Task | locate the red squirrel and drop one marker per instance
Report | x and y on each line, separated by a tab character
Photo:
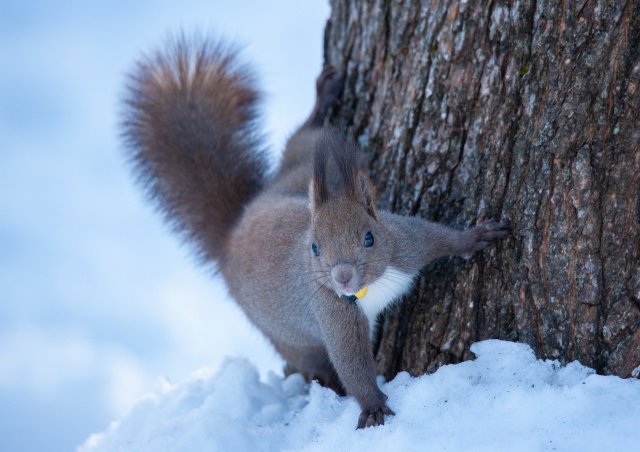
304	251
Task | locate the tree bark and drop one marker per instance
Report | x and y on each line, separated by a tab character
519	110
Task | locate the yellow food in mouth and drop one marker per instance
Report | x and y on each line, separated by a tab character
361	294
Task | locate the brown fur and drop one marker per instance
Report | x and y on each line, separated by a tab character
191	130
191	126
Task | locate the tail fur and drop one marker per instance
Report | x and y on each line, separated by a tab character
191	130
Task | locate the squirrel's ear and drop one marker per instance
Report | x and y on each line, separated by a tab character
318	193
367	195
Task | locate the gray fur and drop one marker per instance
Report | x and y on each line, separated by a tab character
262	237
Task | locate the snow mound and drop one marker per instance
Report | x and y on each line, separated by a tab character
503	400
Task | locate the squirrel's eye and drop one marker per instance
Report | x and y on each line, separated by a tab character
368	239
314	248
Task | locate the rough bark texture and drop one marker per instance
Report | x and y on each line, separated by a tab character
520	110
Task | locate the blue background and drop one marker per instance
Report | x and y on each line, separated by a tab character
97	299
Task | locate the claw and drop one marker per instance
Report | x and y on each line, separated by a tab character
373	418
484	234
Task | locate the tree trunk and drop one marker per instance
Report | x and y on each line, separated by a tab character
520	110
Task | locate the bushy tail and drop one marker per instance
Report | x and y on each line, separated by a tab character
191	129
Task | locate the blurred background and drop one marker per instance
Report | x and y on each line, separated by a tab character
97	299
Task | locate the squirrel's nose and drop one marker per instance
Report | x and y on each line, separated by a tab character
342	274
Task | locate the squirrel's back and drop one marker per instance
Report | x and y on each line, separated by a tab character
191	130
310	260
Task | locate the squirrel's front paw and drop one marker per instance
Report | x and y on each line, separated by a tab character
374	417
482	235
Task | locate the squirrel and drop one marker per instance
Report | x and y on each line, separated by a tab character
304	250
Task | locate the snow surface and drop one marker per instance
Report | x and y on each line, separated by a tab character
503	400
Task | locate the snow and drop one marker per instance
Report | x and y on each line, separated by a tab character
505	399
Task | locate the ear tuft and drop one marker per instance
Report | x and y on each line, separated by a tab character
318	193
346	155
368	195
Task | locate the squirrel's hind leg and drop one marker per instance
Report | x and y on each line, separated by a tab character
328	88
325	376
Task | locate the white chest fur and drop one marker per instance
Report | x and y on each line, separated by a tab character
389	287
